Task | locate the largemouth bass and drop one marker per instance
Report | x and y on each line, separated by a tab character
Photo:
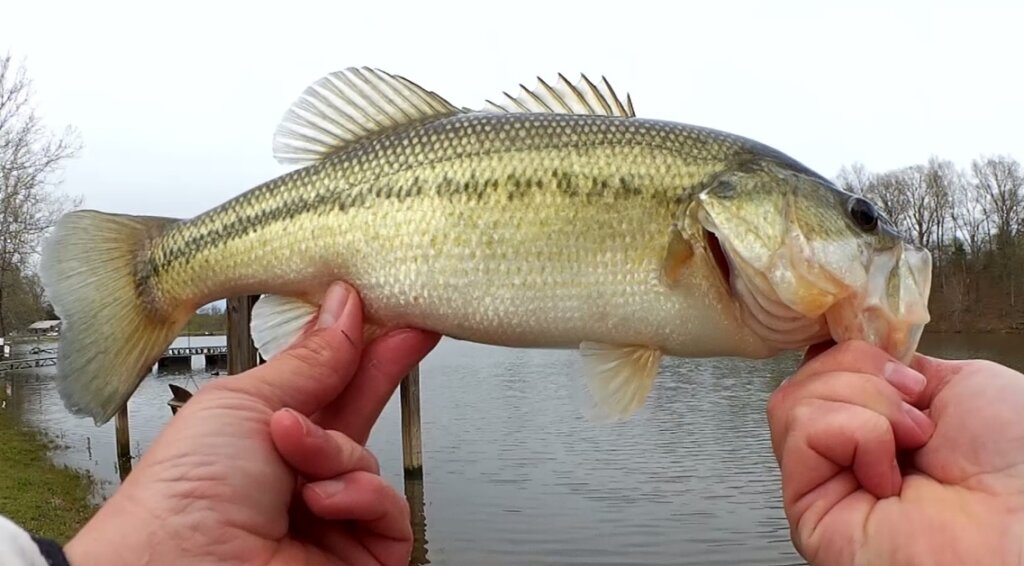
552	219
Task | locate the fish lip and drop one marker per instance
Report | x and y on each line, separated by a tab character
893	321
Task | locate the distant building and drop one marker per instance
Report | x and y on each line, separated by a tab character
44	327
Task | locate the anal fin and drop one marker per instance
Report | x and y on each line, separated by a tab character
619	378
278	321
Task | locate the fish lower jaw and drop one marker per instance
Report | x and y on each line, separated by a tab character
853	320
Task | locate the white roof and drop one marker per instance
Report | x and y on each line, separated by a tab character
42	324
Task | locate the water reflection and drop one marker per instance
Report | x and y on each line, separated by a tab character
514	474
418	515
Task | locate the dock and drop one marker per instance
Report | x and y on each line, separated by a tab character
27	363
216	357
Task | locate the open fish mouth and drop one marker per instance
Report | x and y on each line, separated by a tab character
890	310
718	255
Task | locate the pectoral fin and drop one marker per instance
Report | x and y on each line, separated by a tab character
677	255
619	378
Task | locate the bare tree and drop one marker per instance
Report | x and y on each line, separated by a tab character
855	179
967	213
1000	182
891	192
31	158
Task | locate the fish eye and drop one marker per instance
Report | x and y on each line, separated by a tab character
864	214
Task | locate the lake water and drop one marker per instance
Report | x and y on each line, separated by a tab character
513	474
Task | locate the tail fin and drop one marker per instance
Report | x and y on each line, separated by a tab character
109	339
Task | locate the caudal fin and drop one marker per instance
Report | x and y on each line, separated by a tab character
109	339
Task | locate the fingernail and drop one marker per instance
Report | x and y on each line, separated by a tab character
333	305
327	489
920	420
298	418
906	380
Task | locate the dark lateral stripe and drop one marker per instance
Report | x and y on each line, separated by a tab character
380	169
193	239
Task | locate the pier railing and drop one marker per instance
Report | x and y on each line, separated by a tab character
45	357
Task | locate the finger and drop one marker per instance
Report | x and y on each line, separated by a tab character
384	363
363	497
911	427
834	448
938	373
317	453
338	539
815	350
355	546
861	357
318	367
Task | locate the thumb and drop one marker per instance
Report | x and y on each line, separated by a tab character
317	367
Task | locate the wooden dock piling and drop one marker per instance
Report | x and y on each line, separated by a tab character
242	354
412	444
123	438
418	517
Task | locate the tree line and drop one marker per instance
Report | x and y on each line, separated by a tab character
971	218
210	319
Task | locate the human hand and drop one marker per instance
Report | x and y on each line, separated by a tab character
955	497
269	466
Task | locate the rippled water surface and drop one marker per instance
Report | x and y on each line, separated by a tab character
513	474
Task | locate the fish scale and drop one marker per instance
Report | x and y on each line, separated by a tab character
585	227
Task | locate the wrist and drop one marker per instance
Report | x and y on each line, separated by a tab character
120	533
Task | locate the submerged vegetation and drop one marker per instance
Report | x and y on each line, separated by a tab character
45	499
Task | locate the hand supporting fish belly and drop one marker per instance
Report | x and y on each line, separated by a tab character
552	219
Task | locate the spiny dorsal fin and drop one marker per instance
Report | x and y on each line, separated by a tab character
566	98
349	105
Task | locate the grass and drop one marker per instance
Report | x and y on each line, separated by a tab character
45	499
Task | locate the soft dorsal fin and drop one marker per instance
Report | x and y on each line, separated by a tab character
566	98
349	105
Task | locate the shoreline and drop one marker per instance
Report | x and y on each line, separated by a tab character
44	498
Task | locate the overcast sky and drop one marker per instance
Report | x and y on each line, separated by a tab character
177	101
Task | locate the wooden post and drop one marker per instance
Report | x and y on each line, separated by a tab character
242	353
412	445
418	517
124	453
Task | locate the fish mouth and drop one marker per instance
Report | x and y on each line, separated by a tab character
718	255
761	309
892	311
